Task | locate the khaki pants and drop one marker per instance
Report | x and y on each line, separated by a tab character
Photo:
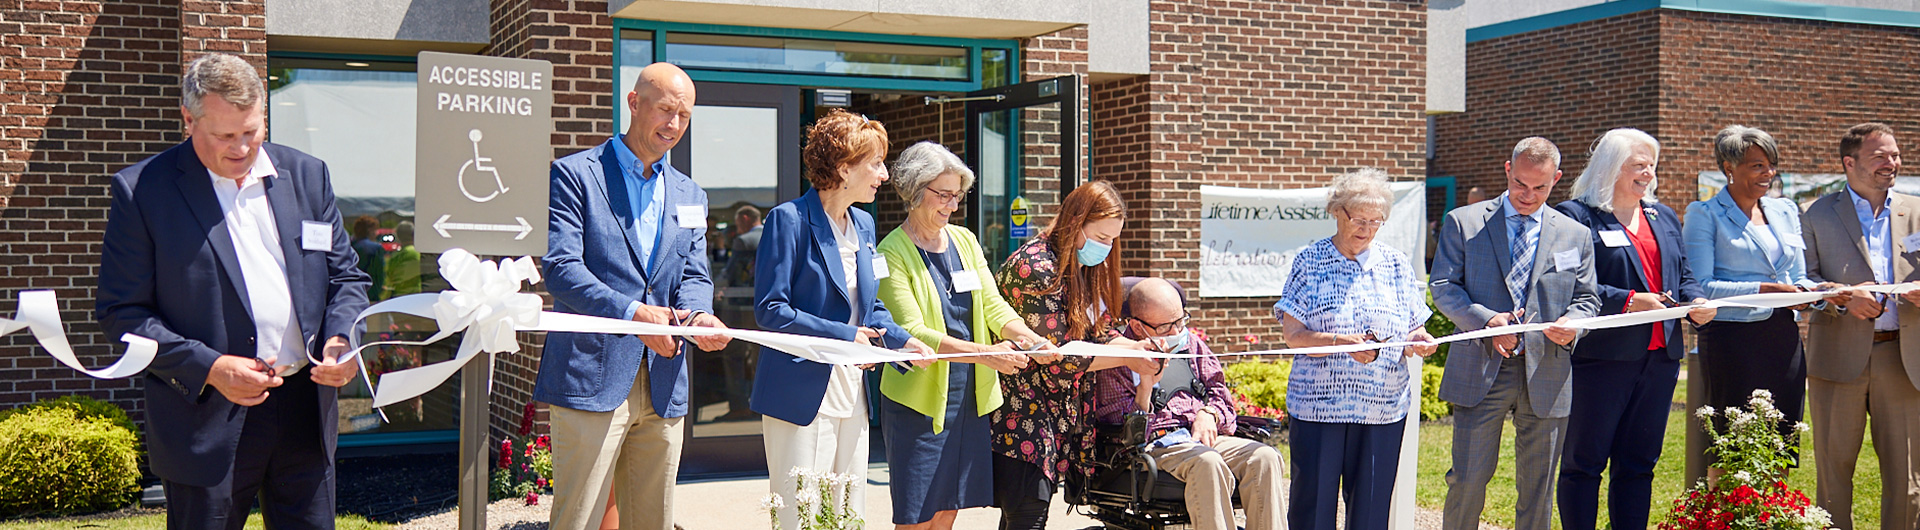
630	446
1211	474
1840	411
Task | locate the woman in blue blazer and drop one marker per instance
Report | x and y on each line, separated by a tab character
1623	378
817	274
1744	242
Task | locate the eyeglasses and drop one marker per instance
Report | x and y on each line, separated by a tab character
1164	328
1363	223
947	196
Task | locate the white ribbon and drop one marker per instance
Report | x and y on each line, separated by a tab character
487	303
40	314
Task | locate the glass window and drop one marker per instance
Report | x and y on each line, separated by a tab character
995	69
636	52
811	56
358	116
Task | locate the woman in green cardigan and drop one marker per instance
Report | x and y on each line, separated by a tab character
935	418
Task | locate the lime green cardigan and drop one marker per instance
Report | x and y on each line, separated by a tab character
911	296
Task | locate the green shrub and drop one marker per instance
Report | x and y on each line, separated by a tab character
83	407
1262	383
1431	406
1438	325
52	460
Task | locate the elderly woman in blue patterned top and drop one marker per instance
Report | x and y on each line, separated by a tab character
1349	411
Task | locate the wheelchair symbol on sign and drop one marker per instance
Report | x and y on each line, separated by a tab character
479	164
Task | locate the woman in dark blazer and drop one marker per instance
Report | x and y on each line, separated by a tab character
817	274
1623	378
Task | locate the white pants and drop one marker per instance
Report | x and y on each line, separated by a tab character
837	445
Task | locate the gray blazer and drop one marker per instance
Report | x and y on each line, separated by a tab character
1469	286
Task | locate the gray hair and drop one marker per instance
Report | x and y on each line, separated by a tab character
1733	142
920	165
1364	187
1595	185
229	77
1536	150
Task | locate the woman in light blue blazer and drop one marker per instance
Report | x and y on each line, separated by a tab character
817	274
1743	242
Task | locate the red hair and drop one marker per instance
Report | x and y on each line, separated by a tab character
1084	288
837	140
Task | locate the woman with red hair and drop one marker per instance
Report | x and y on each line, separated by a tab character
817	274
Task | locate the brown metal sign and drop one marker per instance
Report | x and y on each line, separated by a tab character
484	143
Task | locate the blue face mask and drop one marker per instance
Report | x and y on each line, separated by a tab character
1094	252
1174	344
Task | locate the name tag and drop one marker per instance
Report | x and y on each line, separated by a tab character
693	216
1614	238
316	236
880	271
1794	240
1567	260
965	281
1910	243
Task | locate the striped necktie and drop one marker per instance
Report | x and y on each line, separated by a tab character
1522	248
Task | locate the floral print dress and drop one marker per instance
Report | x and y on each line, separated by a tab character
1046	420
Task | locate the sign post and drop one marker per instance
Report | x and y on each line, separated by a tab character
484	141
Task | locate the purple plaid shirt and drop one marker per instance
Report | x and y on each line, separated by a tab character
1114	395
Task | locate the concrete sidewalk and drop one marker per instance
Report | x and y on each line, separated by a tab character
735	504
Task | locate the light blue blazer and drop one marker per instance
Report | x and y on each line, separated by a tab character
593	268
1727	261
799	287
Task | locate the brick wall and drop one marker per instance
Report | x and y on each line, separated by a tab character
1569	84
577	37
909	120
87	88
1680	76
1804	82
1267	95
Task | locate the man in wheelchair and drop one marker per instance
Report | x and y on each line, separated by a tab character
1180	420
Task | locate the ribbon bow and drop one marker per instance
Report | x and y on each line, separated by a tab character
486	300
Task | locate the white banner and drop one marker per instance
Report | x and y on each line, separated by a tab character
1248	237
1803	188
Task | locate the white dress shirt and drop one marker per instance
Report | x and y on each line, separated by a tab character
846	389
1877	229
263	264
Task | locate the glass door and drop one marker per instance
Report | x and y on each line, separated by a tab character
743	148
1028	157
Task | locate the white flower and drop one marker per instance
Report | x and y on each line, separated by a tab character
1801	427
772	502
1762	393
798	471
1743	477
1704	412
806	497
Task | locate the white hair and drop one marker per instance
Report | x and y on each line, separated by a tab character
1595	185
1364	187
923	163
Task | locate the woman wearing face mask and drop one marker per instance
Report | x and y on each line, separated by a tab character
1063	284
817	274
1350	410
941	291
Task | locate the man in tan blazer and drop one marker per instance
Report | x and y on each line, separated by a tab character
1858	364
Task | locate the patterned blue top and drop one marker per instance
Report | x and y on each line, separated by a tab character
1332	294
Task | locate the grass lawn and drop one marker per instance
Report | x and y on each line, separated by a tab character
159	520
1435	458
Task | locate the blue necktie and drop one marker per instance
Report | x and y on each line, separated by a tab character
1522	248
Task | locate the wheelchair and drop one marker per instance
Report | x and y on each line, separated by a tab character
1127	489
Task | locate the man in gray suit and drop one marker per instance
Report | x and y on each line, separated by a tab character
1507	261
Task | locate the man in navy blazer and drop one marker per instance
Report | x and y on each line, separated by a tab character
626	239
229	252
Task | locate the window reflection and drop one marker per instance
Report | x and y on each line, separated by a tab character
359	119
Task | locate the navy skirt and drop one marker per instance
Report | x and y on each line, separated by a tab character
931	472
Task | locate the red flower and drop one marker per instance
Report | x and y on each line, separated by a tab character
540	482
506	454
533	499
1250	338
526	420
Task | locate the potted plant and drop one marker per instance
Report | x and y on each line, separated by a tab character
1751	492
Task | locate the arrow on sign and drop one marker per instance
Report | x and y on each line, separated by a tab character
442	226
